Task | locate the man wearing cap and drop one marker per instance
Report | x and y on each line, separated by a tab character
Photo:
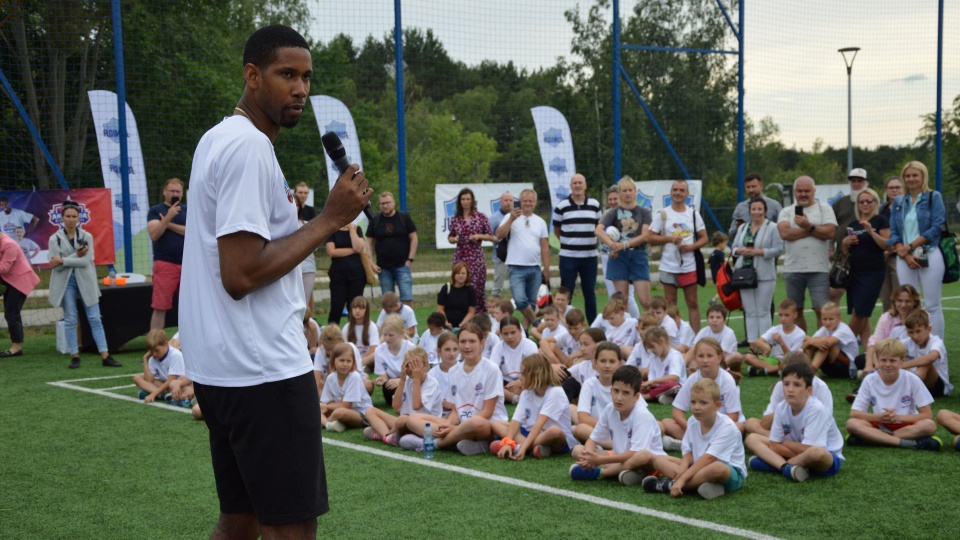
845	210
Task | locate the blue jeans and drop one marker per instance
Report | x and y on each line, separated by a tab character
69	305
524	283
586	267
401	277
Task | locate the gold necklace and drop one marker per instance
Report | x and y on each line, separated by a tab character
243	112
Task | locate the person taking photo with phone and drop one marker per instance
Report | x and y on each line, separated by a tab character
166	223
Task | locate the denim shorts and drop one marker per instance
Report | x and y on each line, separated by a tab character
630	265
399	276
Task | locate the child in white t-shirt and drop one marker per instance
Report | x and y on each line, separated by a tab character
583	369
820	391
490	340
420	395
665	370
713	456
639	357
595	391
659	305
330	336
390	305
901	413
766	352
436	322
344	401
162	365
388	359
449	356
717	329
361	331
508	354
562	349
685	334
833	347
926	354
620	329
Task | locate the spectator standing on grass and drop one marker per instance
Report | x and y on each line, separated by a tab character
628	262
865	249
18	280
845	210
527	251
613	201
347	277
469	228
392	235
753	187
575	222
308	268
807	228
500	269
166	224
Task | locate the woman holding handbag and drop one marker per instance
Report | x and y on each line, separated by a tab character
758	244
347	275
864	247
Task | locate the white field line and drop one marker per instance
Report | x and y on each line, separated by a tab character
106	393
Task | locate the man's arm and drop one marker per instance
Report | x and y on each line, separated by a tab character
34	221
545	256
413	247
156	227
248	261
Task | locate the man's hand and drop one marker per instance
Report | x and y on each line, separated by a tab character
348	197
173	212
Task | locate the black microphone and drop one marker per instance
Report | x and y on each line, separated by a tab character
334	148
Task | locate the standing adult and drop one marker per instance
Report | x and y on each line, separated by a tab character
753	187
845	210
915	226
73	274
808	228
308	268
500	269
864	243
166	224
892	189
18	279
528	253
757	243
347	276
242	305
469	229
613	201
393	237
575	222
11	218
628	255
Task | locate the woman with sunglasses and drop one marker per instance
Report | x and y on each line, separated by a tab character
865	245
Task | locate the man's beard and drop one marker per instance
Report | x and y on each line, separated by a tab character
856	193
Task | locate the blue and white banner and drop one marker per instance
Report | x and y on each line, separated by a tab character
488	201
556	151
333	115
655	194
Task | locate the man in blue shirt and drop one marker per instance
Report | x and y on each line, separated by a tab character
166	223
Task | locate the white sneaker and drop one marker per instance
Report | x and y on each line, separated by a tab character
710	490
372	434
411	442
665	399
472	448
670	444
336	425
630	478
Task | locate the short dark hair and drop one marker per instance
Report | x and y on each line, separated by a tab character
752	176
628	375
261	47
802	370
437	319
760	200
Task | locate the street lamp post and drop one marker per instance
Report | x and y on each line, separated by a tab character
849	65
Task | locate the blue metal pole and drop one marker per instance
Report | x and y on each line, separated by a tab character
401	129
656	125
740	135
124	155
617	163
33	130
939	143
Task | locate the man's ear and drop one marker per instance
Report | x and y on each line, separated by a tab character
252	76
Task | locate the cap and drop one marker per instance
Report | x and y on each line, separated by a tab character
857	173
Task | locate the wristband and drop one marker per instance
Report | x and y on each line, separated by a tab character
508	442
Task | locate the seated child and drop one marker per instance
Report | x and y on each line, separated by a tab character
490	340
665	370
330	336
420	395
493	312
926	354
390	305
620	329
344	401
561	348
508	354
582	370
951	422
388	360
595	392
903	301
541	422
550	327
685	334
599	321
820	391
502	310
449	355
766	352
436	323
658	305
181	388
833	347
901	405
639	357
709	354
561	299
162	365
628	429
713	456
362	332
717	329
804	438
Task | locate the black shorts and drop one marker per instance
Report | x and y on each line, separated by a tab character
266	449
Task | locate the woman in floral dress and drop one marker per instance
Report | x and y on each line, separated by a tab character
469	228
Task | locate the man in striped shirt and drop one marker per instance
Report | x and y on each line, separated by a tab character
574	222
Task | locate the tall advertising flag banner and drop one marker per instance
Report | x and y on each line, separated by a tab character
103	106
556	150
333	115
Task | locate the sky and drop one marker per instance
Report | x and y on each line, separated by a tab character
793	72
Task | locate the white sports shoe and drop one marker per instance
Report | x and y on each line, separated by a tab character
472	448
670	444
710	490
411	442
336	425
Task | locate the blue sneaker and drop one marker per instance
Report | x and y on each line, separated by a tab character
185	404
760	465
142	394
929	443
956	443
795	472
579	473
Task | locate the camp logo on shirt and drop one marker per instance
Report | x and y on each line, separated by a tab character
478	387
526	412
453	389
906	399
593	401
286	187
786	429
630	433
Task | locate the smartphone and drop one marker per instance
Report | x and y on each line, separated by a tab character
516	203
749	244
174	201
799	210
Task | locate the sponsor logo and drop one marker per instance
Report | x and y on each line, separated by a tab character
453	389
644	200
111	130
787	429
553	137
558	166
906	399
134	205
667	201
630	433
526	412
835	198
115	166
55	214
449	210
478	387
337	127
562	192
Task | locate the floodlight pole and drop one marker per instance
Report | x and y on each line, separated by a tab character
843	52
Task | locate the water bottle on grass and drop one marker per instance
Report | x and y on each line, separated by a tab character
428	445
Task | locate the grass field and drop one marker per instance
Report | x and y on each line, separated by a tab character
76	464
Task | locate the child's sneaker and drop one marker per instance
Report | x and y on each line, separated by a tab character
853	440
760	465
166	396
653	484
142	394
757	372
185	403
666	398
472	448
337	426
541	451
670	444
630	478
411	442
710	490
795	472
852	396
929	443
372	434
391	439
578	472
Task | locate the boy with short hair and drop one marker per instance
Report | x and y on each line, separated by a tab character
501	310
550	325
600	321
926	354
766	352
719	243
436	323
713	456
639	357
685	334
390	304
162	365
490	340
804	438
658	305
620	329
717	329
561	299
833	347
901	405
559	348
493	300
630	430
820	391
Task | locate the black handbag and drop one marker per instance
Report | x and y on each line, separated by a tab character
698	256
840	272
744	278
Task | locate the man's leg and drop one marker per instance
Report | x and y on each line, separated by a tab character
819	286
499	274
588	282
387	280
404	278
158	319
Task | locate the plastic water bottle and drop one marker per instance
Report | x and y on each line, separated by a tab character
428	445
113	278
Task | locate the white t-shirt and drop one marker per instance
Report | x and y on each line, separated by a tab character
678	224
843	333
905	396
726	337
940	364
685	334
582	372
553	404
429	344
16	218
808	254
639	357
555	334
601	323
352	391
468	391
594	397
430	397
494	324
672	329
724	442
794	340
170	364
625	334
489	344
320	360
406	313
568	344
509	358
639	431
814	426
524	246
729	394
443	380
236	185
820	391
673	364
373	336
385	362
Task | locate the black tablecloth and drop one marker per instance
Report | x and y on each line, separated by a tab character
126	313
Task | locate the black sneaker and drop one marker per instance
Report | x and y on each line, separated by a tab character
743	344
110	362
853	440
652	484
929	443
757	372
74	363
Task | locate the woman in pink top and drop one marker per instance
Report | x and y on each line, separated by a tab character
19	279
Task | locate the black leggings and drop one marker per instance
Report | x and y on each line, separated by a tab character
343	289
12	304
